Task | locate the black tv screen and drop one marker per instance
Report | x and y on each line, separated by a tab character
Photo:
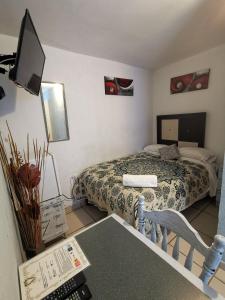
30	58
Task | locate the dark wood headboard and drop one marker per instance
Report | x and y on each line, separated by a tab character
181	128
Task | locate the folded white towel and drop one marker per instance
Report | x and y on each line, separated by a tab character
140	180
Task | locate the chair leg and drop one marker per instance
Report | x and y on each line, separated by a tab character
141	219
213	259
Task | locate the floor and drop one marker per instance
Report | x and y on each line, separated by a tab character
202	215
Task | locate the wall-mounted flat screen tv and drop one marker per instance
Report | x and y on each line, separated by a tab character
30	58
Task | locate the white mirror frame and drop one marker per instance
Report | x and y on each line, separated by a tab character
50	137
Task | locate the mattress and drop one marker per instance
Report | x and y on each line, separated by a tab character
180	184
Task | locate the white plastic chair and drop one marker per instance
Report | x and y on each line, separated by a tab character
171	220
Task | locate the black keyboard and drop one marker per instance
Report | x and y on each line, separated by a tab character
82	293
67	288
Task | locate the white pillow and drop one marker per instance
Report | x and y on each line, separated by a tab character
197	153
154	149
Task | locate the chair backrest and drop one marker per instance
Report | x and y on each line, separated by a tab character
171	220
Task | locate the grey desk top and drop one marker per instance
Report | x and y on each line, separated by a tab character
122	267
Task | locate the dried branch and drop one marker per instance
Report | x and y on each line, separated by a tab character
23	177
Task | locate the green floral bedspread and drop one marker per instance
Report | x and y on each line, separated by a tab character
180	183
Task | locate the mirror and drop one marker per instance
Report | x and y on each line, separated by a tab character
54	109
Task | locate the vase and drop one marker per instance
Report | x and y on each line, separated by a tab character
30	253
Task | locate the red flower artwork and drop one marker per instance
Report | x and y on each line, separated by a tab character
190	82
118	86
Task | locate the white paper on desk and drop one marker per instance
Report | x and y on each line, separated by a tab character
46	272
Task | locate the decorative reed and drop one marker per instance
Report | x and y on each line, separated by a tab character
23	178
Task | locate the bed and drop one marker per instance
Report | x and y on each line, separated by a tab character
180	182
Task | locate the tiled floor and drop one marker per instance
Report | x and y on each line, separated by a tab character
202	216
83	217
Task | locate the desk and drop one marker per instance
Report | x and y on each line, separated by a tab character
126	265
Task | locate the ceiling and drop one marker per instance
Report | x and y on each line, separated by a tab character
144	33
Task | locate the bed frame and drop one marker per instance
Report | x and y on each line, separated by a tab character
182	129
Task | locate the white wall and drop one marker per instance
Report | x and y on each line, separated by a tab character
10	255
101	127
211	100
